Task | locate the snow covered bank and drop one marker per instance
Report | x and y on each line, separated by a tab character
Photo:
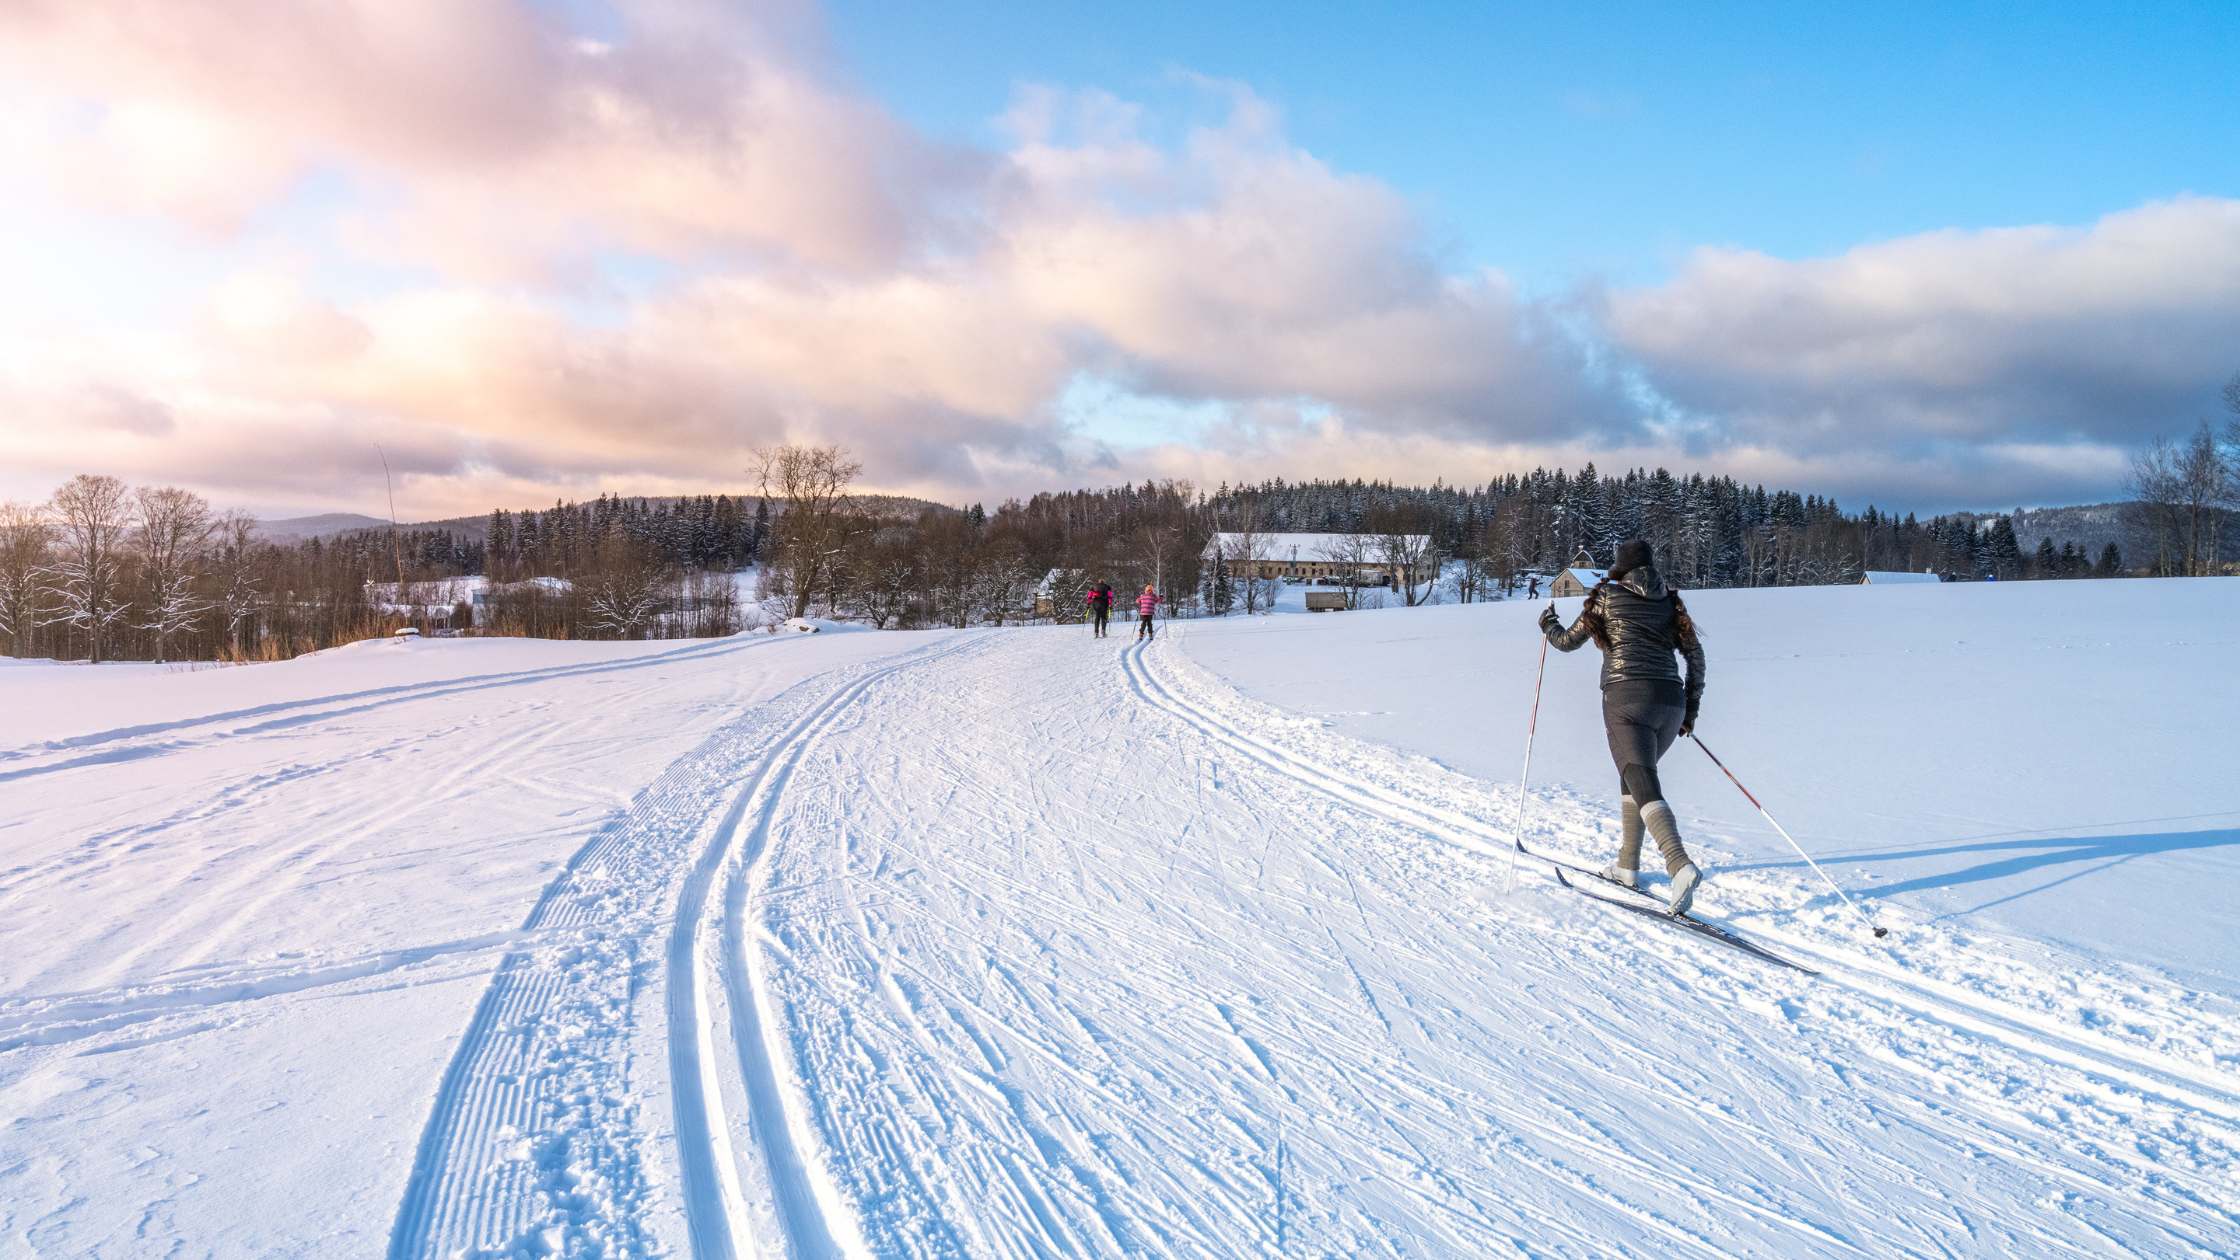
1020	943
247	914
2048	759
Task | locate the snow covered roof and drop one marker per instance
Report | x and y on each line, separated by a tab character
1589	578
1293	546
1878	577
1048	586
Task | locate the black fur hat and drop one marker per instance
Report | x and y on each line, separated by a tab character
1631	556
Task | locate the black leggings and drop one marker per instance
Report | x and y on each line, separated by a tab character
1104	619
1147	627
1642	720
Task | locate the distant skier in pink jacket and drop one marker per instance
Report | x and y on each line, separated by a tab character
1147	604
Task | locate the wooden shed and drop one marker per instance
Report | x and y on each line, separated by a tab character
1575	582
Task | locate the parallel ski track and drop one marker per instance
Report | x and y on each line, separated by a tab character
713	1206
507	1088
2164	1077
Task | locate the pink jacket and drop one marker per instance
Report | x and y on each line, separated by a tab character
1146	602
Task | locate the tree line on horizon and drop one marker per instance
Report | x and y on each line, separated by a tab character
104	571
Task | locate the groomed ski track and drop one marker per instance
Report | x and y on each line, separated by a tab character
528	1146
1032	945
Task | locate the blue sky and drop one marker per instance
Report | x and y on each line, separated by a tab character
1561	140
1929	257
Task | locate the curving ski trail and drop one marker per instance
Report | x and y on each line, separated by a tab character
533	1140
1108	963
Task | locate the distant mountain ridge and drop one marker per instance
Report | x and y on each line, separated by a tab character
477	528
300	528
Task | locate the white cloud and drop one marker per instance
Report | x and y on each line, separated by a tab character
2035	335
834	276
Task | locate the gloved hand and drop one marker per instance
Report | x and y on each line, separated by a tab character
1688	723
1549	622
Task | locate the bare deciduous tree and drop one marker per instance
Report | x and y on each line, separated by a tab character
1004	589
1158	544
812	482
2179	492
890	568
173	528
239	596
709	604
1349	554
94	517
1404	546
624	590
1243	547
26	550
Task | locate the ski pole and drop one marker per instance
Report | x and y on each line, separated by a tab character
1529	732
1878	930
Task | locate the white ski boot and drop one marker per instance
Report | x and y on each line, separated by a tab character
1684	884
1619	875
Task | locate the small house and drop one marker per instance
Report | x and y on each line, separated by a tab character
1060	591
1575	582
1352	559
1879	578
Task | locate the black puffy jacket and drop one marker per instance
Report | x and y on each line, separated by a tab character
1641	620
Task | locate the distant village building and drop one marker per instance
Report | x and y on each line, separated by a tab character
1877	577
1574	582
1309	558
1061	590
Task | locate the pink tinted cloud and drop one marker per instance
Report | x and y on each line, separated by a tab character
850	281
506	142
842	278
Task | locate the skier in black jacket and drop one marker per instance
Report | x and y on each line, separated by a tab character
1639	623
1100	603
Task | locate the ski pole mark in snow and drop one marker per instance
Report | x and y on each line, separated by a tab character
2129	1083
1059	954
1925	997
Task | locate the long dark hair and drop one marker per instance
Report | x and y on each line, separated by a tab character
1683	629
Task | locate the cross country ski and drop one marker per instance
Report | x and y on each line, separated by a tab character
1664	914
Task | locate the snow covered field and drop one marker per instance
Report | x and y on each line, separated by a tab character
1017	943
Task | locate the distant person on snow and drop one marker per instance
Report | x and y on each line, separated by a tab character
1147	603
1639	623
1532	589
1100	605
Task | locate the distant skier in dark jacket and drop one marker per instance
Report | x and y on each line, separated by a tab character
1100	603
1640	623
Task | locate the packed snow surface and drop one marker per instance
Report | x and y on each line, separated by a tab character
1022	943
